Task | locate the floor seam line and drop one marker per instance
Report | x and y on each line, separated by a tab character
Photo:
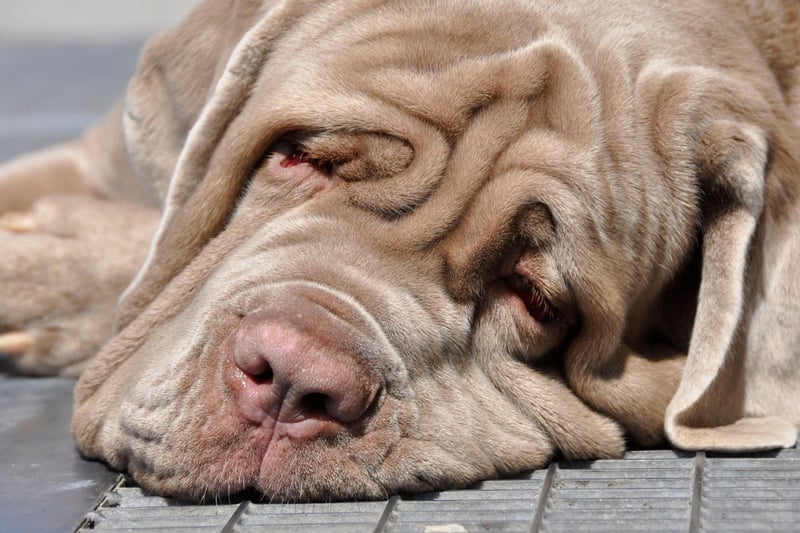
697	491
544	496
234	519
387	512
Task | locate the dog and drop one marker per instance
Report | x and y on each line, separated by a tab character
339	250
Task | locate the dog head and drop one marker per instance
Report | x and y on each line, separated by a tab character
408	248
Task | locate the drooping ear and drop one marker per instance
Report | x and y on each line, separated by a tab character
175	76
714	407
201	74
737	388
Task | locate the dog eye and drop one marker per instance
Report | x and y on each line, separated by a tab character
295	156
539	307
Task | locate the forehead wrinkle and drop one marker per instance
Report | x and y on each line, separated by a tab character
449	96
508	134
468	28
467	168
487	228
575	166
470	166
503	117
368	32
442	71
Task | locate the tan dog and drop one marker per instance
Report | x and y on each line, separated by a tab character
409	245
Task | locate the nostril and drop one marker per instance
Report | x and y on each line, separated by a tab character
290	375
315	404
264	377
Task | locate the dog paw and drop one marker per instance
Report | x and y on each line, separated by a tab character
63	266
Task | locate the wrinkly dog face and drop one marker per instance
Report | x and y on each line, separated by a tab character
396	257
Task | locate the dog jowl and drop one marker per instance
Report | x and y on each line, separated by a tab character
405	246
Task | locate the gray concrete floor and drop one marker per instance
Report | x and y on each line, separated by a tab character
49	93
44	485
88	20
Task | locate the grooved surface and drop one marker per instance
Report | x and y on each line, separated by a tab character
752	494
646	491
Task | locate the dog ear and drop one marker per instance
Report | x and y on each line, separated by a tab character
191	84
736	389
715	407
176	73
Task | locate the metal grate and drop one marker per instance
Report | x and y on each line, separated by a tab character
507	505
646	491
752	494
340	517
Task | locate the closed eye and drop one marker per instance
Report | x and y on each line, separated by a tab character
288	162
294	156
535	302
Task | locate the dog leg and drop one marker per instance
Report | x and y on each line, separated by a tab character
65	263
71	242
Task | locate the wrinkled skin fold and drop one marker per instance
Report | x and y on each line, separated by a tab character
405	246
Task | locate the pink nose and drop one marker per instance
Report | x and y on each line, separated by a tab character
287	372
